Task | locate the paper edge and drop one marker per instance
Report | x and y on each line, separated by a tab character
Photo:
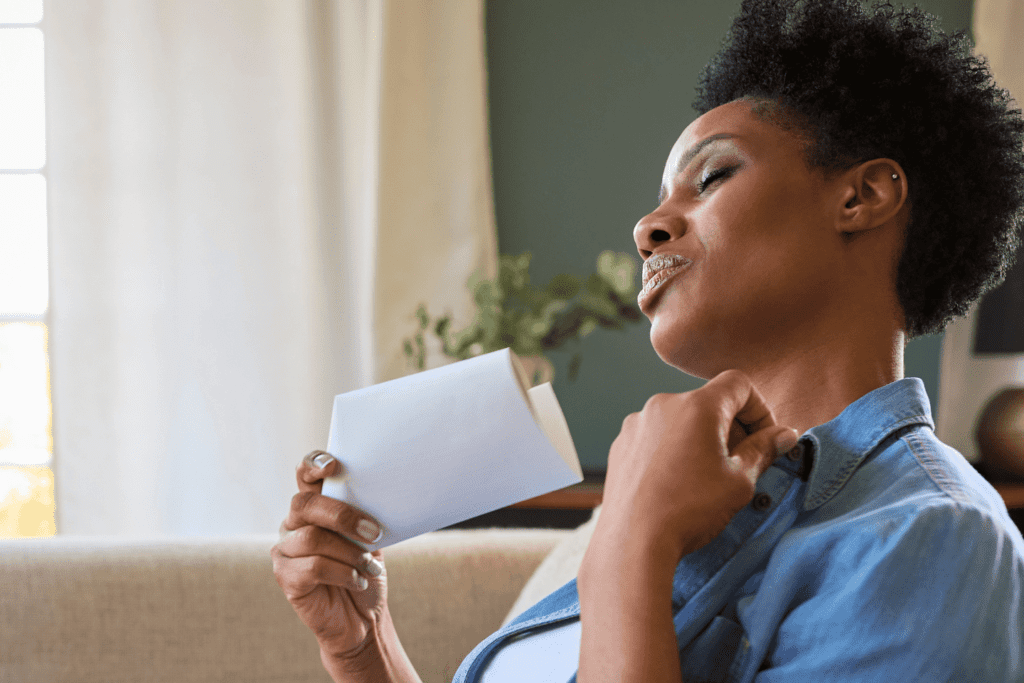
549	416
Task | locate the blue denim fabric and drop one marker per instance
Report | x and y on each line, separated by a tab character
893	560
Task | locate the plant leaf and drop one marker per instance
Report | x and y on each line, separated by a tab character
619	271
564	286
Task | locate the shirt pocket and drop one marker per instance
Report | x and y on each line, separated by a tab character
710	656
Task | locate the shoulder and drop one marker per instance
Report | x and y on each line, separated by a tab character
915	499
917	482
917	556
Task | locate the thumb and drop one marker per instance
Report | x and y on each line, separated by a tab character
760	449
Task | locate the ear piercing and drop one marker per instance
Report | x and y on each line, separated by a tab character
895	177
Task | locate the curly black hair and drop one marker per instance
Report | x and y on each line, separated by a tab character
864	83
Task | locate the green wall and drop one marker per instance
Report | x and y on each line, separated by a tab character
586	99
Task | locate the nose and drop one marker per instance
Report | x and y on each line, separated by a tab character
653	230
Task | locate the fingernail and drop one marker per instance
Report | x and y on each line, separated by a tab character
369	531
373	567
786	441
362	583
323	460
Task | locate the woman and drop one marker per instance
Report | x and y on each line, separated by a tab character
854	180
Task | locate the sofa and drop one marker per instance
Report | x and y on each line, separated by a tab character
96	610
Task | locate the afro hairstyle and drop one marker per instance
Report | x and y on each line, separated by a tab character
861	84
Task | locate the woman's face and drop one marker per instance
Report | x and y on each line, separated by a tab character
741	256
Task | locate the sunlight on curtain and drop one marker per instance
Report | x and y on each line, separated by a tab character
226	255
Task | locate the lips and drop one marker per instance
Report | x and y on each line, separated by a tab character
658	269
660	262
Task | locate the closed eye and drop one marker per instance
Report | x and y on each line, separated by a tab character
711	177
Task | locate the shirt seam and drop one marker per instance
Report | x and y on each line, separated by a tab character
943	482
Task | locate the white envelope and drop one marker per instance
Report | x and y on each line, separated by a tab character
441	446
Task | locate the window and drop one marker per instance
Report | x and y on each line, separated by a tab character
26	443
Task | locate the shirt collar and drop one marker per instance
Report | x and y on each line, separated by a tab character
842	444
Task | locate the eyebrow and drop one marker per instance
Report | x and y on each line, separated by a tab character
688	156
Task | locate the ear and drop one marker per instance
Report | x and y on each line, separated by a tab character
871	194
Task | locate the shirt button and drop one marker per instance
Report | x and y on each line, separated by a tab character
797	452
761	502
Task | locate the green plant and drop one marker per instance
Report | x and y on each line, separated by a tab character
512	313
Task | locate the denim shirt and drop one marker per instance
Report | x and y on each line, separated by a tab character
874	553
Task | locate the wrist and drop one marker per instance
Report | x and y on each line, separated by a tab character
620	553
625	591
643	536
354	663
380	657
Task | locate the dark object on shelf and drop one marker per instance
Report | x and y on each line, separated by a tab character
1000	434
563	509
535	518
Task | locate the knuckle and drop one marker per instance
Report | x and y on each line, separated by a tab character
656	400
344	518
284	574
318	566
306	536
301	500
733	375
725	382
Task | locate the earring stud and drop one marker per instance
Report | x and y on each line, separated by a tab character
895	177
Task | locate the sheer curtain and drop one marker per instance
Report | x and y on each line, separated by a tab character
248	199
968	381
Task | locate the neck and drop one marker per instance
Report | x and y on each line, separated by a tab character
818	379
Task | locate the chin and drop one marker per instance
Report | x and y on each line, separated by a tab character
676	349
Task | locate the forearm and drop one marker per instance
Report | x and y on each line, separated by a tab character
626	615
381	660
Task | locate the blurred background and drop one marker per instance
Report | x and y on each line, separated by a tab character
215	216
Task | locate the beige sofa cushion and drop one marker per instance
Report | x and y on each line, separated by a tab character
87	610
560	566
479	573
93	610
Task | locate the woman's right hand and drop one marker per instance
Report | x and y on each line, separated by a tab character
338	589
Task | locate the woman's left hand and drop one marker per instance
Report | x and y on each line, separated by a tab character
683	467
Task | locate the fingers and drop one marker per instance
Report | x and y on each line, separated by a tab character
314	468
743	403
309	508
740	400
737	432
760	449
300	574
311	541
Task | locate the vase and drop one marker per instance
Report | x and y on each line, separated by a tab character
1000	433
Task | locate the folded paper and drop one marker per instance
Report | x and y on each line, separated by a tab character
441	446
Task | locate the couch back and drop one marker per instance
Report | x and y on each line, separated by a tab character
94	610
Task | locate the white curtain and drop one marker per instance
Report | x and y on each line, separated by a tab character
248	199
967	381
